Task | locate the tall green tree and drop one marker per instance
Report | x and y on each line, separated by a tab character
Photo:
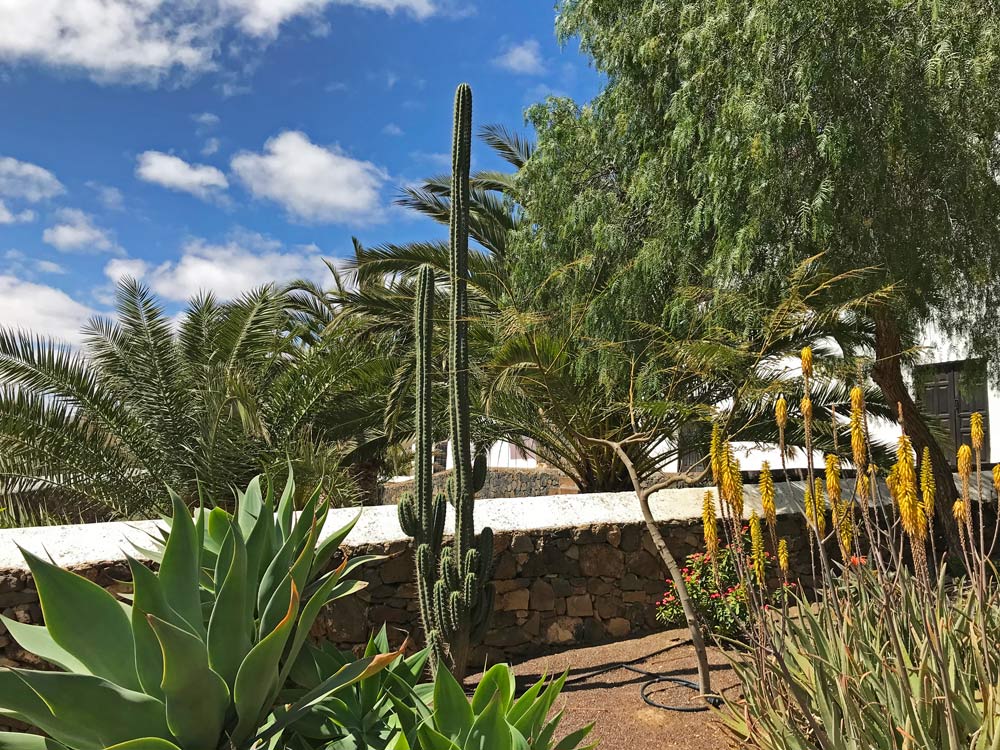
238	388
735	139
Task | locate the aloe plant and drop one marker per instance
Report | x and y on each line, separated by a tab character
197	657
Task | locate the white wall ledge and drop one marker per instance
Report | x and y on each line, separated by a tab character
90	544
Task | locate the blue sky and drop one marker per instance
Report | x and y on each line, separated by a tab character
224	143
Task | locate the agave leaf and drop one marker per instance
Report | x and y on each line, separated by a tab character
309	614
229	638
180	570
260	545
82	711
490	730
572	740
256	678
499	679
286	506
38	640
196	697
329	546
19	741
105	646
453	716
342	678
145	743
250	506
522	704
430	739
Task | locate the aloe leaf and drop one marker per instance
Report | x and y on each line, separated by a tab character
195	696
180	570
105	646
82	711
38	640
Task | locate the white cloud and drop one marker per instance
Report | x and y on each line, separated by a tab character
210	147
245	261
76	231
392	129
148	40
264	17
110	197
19	179
524	58
206	120
48	266
41	309
176	174
10	217
312	182
118	268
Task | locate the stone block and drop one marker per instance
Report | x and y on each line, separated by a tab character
580	606
543	596
602	560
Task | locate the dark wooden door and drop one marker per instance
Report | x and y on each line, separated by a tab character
951	392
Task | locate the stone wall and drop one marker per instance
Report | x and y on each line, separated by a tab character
570	569
500	483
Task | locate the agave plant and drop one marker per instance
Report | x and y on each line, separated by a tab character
495	717
367	714
198	657
392	710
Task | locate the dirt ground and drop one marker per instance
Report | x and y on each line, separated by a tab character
613	701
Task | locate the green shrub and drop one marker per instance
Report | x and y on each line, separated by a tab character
196	659
717	591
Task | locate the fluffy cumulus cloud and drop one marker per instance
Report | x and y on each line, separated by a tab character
75	231
311	182
41	309
30	182
228	269
176	174
524	58
148	40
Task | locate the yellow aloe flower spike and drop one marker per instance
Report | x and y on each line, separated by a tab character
911	513
766	484
807	361
710	525
757	548
927	485
977	431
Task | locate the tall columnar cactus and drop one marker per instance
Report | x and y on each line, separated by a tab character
454	588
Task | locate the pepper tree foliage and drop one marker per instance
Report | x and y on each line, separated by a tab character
735	139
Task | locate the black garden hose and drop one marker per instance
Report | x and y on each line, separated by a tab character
657	679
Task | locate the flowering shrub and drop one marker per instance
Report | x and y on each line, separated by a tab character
717	592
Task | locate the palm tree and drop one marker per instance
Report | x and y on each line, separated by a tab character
531	389
200	404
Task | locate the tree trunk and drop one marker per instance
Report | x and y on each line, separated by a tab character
888	376
365	475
